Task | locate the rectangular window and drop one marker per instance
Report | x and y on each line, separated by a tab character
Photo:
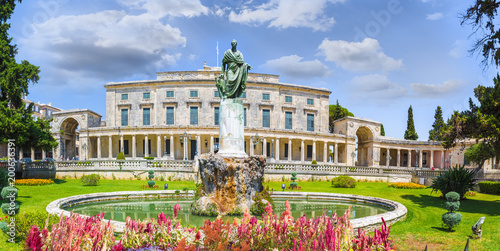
124	96
193	94
167	146
268	149
288	120
286	150
124	117
424	159
193	115
170	94
266	96
244	116
144	146
266	118
146	95
216	94
170	116
310	101
125	146
216	115
288	99
244	95
146	115
405	159
309	151
310	122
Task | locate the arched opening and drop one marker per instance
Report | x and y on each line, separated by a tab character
69	139
363	137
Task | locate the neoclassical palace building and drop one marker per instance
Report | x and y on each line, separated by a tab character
176	116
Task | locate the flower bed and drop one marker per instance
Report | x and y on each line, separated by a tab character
273	232
34	182
406	185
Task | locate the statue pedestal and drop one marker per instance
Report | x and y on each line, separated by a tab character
231	129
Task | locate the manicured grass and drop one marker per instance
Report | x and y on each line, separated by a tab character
423	225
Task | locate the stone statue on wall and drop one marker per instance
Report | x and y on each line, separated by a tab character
233	80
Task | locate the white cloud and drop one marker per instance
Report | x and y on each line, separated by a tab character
366	55
459	49
294	66
173	8
287	13
376	87
433	91
435	16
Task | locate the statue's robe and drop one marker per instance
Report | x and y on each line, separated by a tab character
237	73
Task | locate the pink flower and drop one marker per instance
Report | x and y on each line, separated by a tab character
177	207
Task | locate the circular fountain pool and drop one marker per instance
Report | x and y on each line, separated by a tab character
366	212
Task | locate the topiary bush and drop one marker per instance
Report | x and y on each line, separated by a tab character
151	183
151	175
293	184
314	162
10	208
149	158
90	179
120	156
9	192
490	187
344	182
452	219
457	179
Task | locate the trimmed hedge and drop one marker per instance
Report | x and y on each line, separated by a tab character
490	187
344	182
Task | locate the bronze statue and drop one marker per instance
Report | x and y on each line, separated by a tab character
233	80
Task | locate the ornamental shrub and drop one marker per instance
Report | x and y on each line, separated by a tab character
26	219
90	180
490	187
120	156
151	183
293	184
151	175
9	209
344	182
457	179
149	158
314	162
452	219
7	193
259	206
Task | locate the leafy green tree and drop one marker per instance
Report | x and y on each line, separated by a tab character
382	130
410	133
438	127
479	153
16	121
337	112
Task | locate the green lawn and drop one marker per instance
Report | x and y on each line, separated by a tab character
422	226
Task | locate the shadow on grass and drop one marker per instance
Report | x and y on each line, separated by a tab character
444	229
469	205
59	181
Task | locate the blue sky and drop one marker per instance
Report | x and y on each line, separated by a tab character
377	57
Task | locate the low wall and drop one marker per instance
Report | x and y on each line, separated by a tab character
398	210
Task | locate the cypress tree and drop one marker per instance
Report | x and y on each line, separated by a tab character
382	131
439	127
410	133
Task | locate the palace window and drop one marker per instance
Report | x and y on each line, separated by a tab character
310	122
216	115
266	118
266	96
244	116
288	99
124	117
167	146
286	150
310	101
193	94
124	96
243	95
309	151
193	113
170	116
125	146
146	95
216	94
170	94
288	120
146	115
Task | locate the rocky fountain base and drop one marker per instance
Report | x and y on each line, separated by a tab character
228	184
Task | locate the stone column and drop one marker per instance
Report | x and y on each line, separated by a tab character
99	147
21	154
134	147
442	159
302	150
158	146
33	154
399	158
146	146
251	147
314	150
432	159
277	154
121	144
420	154
409	158
110	147
325	152
172	146
387	157
290	150
184	152
212	144
264	147
198	145
335	153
